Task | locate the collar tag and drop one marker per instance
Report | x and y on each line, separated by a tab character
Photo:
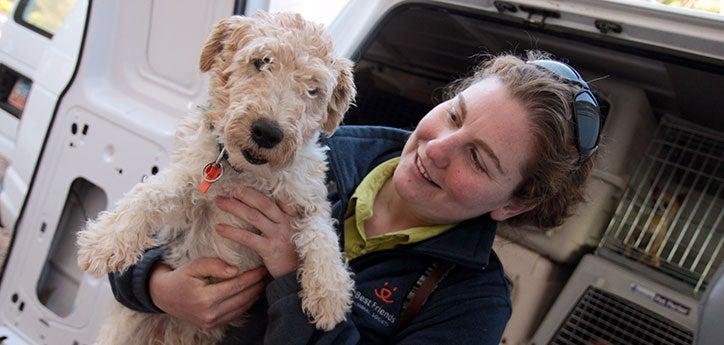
211	173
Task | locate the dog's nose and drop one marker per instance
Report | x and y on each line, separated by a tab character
266	133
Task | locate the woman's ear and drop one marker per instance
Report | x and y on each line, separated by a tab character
510	210
227	31
342	95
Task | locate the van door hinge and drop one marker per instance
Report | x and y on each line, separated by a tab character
537	16
605	26
503	7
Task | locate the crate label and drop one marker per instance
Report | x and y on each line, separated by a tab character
661	299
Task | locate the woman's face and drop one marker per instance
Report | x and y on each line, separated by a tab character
465	157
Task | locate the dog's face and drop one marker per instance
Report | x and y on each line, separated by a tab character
274	86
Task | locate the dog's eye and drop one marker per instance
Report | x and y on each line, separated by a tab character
313	92
259	63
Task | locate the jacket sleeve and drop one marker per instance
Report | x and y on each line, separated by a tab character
130	287
460	316
287	323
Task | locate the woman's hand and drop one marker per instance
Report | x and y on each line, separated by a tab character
185	292
274	220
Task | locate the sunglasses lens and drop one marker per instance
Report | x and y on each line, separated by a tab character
588	123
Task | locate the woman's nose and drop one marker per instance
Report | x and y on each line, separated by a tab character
438	151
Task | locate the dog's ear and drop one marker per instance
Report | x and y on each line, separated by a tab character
226	30
342	95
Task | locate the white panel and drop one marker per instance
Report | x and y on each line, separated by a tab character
177	33
8	130
51	67
11	338
112	158
131	110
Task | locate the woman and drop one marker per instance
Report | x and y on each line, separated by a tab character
514	144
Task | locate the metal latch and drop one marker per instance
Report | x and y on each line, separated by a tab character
537	16
605	26
503	7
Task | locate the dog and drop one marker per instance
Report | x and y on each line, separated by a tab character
275	87
645	244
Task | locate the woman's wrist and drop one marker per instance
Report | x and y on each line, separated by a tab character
155	283
282	286
283	268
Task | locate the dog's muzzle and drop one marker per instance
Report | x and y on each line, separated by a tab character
266	133
252	158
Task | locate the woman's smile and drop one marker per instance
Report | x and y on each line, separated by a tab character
423	172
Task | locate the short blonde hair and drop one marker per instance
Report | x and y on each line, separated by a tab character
554	180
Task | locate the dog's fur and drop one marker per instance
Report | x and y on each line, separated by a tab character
278	68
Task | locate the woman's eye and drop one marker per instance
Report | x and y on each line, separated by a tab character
453	117
259	63
476	161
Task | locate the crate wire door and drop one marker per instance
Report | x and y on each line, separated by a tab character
670	216
601	318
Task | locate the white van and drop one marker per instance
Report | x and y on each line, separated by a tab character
90	98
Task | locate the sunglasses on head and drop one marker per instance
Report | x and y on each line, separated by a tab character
586	113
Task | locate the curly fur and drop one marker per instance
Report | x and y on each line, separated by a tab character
273	67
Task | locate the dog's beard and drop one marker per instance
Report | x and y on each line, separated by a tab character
249	158
253	158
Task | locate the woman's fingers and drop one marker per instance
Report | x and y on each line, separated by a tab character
210	267
243	298
274	245
238	311
249	214
264	204
286	205
231	287
257	243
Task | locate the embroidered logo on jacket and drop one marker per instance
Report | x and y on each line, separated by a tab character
385	293
370	307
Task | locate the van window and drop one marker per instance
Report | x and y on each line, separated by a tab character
714	6
687	7
43	16
5	7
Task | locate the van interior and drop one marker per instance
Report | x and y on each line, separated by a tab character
654	202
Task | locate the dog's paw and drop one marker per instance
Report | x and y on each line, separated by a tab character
327	301
100	254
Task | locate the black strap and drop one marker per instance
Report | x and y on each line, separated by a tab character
426	284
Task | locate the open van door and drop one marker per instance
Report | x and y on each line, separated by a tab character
39	46
105	92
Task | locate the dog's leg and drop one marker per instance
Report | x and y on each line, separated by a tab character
117	239
325	281
127	327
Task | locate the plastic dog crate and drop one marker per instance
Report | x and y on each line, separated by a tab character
604	303
536	282
670	217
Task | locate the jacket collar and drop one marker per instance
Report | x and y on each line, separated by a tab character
368	145
468	243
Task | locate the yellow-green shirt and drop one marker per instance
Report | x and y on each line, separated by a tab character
360	207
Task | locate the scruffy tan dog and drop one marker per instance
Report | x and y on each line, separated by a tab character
274	87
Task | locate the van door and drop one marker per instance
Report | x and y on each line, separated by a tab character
134	77
39	45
